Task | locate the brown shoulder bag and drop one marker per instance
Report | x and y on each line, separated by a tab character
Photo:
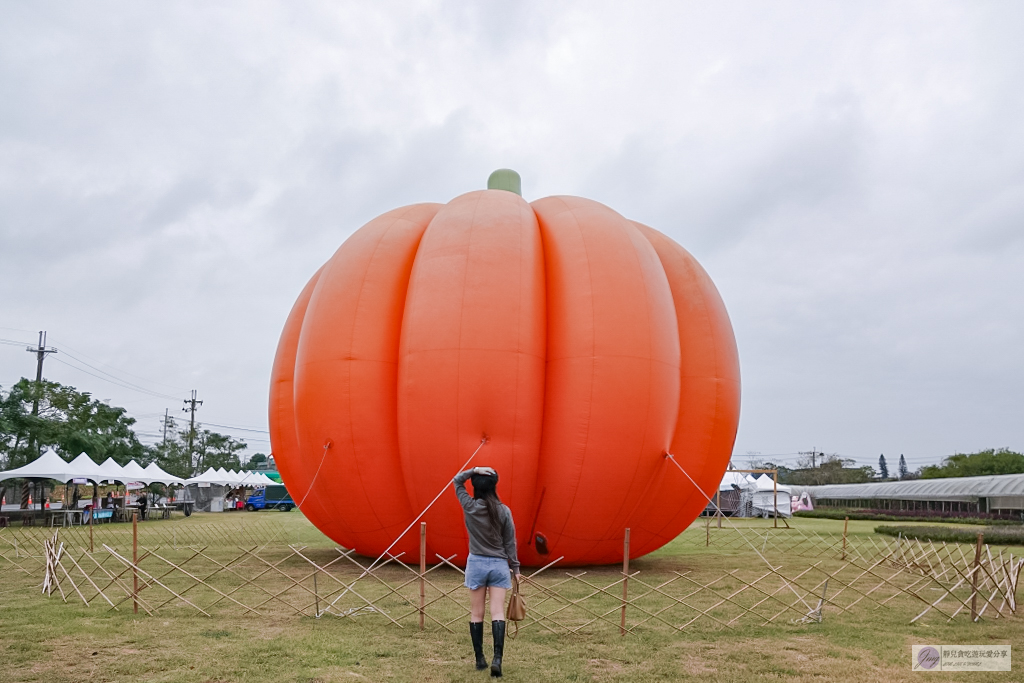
516	604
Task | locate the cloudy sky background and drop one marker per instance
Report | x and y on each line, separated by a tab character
850	174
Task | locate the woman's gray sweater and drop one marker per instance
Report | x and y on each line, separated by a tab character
482	539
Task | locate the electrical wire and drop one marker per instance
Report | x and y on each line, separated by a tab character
116	383
124	382
64	348
241	429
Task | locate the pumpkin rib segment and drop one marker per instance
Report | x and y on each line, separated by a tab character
582	452
472	355
658	472
684	483
281	398
710	449
351	346
604	396
348	395
346	380
646	424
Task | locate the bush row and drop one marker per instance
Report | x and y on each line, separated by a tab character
984	518
1002	535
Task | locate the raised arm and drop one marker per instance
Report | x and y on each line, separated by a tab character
459	481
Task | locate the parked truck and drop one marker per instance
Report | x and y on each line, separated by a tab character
270	498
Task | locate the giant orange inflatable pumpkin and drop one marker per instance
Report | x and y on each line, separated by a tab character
583	345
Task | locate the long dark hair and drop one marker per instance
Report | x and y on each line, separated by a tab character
484	486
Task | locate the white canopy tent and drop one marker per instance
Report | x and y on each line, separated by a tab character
134	473
88	468
224	477
112	471
210	476
731	481
157	475
763	498
49	465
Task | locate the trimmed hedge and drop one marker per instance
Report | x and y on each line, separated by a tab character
910	516
1002	535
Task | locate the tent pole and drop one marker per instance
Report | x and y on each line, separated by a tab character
718	508
775	491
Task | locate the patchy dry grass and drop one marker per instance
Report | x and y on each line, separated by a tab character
44	639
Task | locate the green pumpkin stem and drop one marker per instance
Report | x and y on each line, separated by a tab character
505	179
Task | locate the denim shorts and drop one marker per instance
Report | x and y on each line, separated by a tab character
487	571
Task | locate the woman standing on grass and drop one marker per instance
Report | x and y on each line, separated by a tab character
492	554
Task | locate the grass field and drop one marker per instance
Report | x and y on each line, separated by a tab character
44	639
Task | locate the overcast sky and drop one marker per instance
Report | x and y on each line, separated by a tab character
850	174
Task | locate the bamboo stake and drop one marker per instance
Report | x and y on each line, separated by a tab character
135	561
423	569
316	593
625	581
974	578
846	523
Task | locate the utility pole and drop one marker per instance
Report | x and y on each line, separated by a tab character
165	429
813	453
190	407
41	351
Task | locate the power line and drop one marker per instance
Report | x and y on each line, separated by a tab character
123	372
123	382
120	381
13	342
117	383
241	429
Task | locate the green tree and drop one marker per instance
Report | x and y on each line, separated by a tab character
992	461
883	468
69	421
257	462
217	450
209	449
15	425
172	454
831	469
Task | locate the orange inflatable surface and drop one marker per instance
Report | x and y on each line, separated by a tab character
583	345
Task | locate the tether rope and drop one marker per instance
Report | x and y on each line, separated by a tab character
411	525
317	474
774	569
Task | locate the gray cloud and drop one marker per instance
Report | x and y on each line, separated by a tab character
850	174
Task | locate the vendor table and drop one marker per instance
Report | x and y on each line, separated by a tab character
67	517
126	513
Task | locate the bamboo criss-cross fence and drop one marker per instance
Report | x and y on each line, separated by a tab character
805	577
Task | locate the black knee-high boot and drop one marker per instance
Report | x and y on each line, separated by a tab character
476	632
498	633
